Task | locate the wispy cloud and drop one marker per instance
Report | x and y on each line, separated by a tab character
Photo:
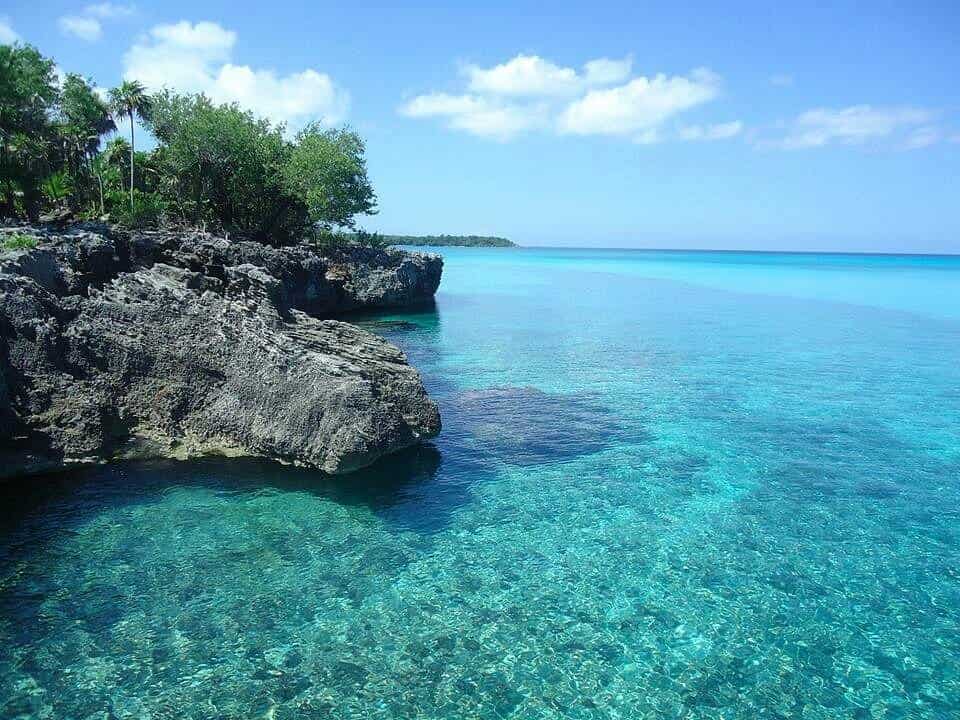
197	58
855	125
781	80
720	131
107	10
923	137
529	93
8	35
88	24
478	115
85	28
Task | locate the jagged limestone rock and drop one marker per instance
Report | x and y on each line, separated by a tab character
154	345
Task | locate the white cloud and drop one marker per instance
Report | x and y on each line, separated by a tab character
8	35
529	93
88	26
531	75
641	104
197	58
604	71
857	124
181	56
477	115
108	10
922	137
720	131
650	136
523	75
295	99
85	28
442	104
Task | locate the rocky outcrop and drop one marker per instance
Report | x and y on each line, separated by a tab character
158	345
331	281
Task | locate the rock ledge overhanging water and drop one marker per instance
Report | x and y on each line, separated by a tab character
176	345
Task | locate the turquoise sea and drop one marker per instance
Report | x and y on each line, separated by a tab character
669	485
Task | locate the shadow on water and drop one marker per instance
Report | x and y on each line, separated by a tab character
405	490
409	317
526	426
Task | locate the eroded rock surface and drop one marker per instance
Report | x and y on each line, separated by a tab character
155	345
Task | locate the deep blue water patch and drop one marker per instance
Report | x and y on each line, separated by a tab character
527	426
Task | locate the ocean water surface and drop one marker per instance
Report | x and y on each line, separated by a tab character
669	485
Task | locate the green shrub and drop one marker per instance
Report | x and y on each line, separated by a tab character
370	240
18	241
326	238
57	187
148	210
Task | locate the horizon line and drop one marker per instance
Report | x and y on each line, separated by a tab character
731	250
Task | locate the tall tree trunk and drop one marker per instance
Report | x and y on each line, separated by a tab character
131	161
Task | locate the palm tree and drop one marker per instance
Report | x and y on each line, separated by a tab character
128	100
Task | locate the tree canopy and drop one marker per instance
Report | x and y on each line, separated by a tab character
28	96
215	165
328	171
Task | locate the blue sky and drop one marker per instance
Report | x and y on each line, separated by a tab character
751	125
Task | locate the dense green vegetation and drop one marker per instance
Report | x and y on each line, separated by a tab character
215	166
17	241
448	240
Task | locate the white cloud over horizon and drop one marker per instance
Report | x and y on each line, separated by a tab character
529	93
197	57
856	125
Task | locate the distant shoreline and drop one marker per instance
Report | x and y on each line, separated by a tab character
449	240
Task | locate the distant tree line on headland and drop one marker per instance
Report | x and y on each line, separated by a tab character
215	165
448	240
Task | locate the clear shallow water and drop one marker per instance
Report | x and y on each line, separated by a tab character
670	485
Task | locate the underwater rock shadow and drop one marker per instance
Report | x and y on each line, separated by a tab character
423	314
527	426
405	489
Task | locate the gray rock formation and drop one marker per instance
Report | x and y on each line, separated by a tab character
154	345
